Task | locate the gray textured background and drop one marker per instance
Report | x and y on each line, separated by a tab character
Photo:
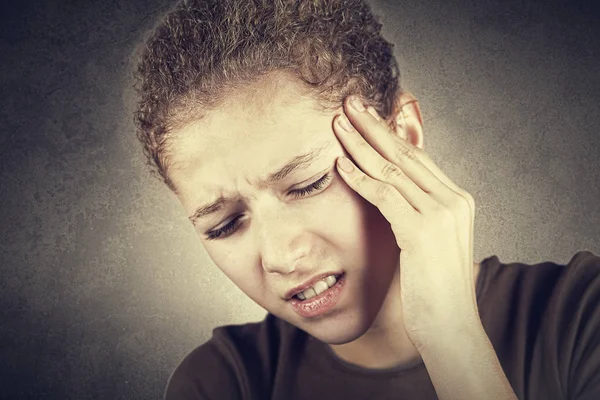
104	286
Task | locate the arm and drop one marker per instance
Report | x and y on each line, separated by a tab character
433	220
464	365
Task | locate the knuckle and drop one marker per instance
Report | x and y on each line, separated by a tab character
389	171
383	191
470	199
405	153
464	203
360	180
417	151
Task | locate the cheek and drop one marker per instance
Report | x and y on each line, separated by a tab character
344	217
356	226
237	264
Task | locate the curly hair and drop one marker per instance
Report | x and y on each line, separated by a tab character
203	49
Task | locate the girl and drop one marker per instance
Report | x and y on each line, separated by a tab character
283	131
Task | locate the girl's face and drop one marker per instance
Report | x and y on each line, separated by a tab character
271	235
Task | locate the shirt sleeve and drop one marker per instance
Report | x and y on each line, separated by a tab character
585	371
579	326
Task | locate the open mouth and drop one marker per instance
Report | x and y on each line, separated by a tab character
322	303
319	289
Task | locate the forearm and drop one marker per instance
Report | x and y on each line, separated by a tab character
464	365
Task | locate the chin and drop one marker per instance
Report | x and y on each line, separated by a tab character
340	329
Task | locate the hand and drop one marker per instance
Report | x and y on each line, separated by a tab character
432	220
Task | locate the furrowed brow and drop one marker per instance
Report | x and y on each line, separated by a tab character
297	162
301	161
207	209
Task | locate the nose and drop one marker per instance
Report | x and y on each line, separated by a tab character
280	241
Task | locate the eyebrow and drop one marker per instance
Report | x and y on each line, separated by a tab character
297	162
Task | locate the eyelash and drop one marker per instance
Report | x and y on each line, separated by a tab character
297	193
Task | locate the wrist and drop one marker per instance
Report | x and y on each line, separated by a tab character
449	335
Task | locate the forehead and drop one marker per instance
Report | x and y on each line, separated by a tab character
251	134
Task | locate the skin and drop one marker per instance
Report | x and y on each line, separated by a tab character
283	241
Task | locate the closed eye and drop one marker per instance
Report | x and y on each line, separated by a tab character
311	188
296	193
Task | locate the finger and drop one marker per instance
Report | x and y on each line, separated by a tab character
425	159
451	196
393	206
377	167
392	147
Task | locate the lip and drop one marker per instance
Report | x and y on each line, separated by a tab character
321	304
300	288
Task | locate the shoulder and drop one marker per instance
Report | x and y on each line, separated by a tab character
578	287
544	320
542	282
583	269
572	326
235	363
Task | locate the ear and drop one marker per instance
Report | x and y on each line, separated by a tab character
408	120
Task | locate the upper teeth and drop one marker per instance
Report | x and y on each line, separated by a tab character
317	288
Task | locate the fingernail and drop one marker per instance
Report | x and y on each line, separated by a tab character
345	164
344	123
357	104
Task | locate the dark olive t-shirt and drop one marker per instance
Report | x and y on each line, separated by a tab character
543	321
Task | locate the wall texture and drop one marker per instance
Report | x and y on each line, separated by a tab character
104	285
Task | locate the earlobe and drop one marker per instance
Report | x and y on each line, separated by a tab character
409	122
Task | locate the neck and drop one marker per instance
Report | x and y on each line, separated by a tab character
385	344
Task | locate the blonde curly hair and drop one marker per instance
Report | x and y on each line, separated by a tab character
203	49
